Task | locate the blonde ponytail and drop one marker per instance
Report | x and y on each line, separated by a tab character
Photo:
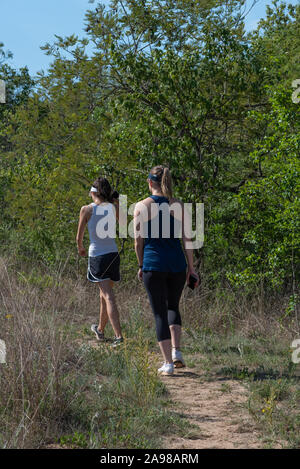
166	184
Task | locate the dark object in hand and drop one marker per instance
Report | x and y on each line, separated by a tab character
115	195
192	281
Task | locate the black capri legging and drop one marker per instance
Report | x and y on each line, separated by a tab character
164	290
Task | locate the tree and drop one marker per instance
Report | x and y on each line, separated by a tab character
166	82
18	85
269	206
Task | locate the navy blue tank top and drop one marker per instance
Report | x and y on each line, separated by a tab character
162	246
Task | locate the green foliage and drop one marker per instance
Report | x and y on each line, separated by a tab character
18	86
269	205
178	83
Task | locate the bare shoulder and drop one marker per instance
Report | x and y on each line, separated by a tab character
86	211
147	201
176	208
142	204
86	208
174	201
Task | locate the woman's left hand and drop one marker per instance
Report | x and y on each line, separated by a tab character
194	273
82	251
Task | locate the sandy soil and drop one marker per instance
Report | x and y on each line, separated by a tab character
215	407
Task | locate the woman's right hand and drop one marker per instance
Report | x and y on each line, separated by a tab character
140	274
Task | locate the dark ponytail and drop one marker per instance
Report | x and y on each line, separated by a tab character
104	189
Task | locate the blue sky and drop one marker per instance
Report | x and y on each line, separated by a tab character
25	25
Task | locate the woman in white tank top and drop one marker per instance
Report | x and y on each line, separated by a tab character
103	257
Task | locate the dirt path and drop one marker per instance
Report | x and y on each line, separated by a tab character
215	407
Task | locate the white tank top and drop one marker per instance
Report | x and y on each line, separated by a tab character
102	229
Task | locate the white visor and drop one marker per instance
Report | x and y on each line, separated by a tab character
93	189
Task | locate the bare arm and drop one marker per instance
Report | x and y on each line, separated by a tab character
187	240
83	219
138	239
117	207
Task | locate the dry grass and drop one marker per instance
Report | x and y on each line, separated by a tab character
35	395
227	310
57	387
50	385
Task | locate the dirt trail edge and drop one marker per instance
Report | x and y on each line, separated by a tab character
216	406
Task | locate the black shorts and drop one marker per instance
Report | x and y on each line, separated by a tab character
104	267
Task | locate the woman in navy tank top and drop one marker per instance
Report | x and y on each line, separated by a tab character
164	266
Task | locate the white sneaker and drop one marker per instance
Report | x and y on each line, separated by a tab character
167	369
177	358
